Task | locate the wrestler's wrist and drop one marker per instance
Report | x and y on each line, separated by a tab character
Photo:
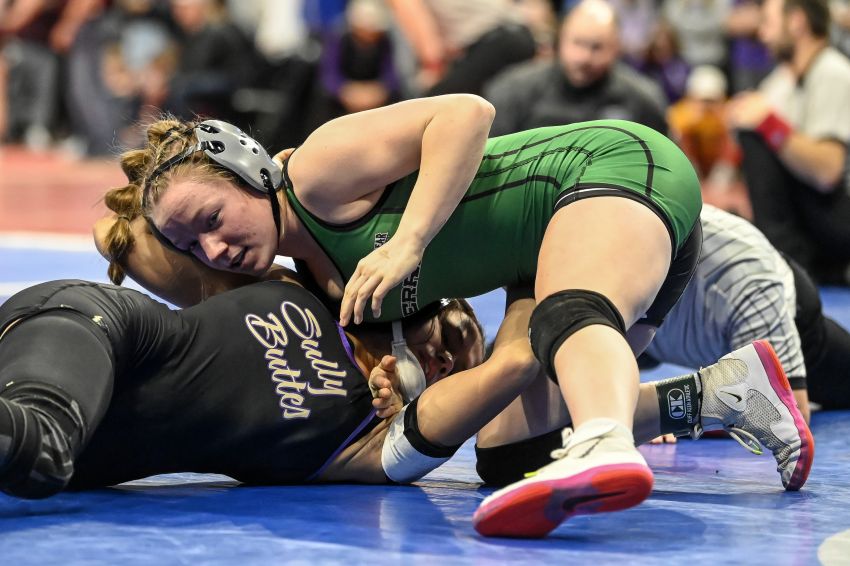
774	130
411	240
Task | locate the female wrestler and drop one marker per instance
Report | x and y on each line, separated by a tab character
103	385
429	194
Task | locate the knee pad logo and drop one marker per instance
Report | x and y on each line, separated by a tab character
676	403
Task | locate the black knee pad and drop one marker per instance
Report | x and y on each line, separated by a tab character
500	465
562	314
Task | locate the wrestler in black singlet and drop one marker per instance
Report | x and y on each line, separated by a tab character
258	383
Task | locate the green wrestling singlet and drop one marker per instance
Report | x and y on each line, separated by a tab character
493	237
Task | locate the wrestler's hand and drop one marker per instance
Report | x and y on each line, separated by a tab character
375	275
383	382
282	156
664	439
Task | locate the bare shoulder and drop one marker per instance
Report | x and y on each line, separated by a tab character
282	273
100	230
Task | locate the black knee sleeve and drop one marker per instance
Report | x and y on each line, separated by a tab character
562	314
501	465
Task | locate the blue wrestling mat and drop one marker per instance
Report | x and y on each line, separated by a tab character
713	501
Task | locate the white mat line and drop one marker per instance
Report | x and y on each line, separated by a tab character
47	241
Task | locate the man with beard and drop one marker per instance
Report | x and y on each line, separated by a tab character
793	132
586	81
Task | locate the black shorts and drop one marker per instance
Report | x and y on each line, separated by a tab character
678	276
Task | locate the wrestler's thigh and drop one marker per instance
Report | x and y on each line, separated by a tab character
612	245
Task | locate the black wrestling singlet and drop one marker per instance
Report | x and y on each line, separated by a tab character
258	383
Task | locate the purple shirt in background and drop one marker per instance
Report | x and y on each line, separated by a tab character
344	60
671	76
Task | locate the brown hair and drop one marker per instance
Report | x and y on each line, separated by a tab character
817	14
166	138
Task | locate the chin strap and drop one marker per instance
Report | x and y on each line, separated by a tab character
275	210
410	374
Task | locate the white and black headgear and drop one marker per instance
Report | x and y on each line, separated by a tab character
231	148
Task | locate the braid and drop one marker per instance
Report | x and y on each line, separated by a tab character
118	241
164	137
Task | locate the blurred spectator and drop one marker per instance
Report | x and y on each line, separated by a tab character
586	82
749	59
793	136
4	110
701	27
32	70
540	18
289	47
697	121
663	62
119	64
215	59
461	44
357	62
840	32
698	124
321	15
637	20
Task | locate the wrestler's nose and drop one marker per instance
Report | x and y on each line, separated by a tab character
214	248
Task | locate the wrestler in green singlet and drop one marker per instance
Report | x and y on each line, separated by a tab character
493	237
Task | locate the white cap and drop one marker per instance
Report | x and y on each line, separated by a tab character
368	14
707	82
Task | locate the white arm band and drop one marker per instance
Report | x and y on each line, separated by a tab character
401	461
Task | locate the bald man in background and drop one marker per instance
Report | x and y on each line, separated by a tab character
586	81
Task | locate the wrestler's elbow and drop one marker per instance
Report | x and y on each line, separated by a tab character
477	108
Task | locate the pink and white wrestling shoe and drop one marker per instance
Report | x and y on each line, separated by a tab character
598	470
747	394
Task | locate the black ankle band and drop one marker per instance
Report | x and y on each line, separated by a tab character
679	402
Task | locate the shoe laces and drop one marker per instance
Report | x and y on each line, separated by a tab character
557	453
749	441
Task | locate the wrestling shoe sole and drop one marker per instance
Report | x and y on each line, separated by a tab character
534	509
782	389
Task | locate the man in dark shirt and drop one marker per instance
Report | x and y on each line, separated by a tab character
586	81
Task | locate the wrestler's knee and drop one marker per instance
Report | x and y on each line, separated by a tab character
562	314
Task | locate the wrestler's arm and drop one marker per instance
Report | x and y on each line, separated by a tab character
454	408
443	137
174	277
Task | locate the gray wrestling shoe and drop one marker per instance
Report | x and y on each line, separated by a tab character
747	394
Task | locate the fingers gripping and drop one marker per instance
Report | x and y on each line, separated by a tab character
382	383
